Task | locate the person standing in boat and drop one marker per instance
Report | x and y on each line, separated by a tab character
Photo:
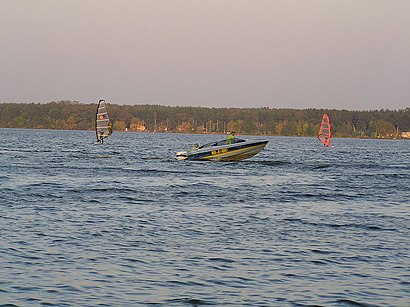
231	138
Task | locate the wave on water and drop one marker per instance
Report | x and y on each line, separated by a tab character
348	303
185	301
340	225
102	156
266	162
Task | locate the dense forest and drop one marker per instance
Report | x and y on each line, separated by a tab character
289	122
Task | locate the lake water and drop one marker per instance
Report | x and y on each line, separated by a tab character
126	224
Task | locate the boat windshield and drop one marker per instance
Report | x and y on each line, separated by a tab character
222	143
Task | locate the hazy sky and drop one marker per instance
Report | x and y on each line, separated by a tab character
343	54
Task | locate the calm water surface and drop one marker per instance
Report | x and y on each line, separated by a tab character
126	224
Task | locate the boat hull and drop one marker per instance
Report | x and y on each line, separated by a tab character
226	153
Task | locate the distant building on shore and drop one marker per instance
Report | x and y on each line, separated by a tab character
405	135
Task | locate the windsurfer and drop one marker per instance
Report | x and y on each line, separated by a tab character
324	134
103	125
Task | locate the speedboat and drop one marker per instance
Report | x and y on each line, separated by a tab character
239	149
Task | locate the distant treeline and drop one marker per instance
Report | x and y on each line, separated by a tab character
70	115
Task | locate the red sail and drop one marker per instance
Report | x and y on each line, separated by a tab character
324	131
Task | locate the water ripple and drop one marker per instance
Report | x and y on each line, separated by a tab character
125	224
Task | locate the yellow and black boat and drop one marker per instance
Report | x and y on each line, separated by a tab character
237	149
